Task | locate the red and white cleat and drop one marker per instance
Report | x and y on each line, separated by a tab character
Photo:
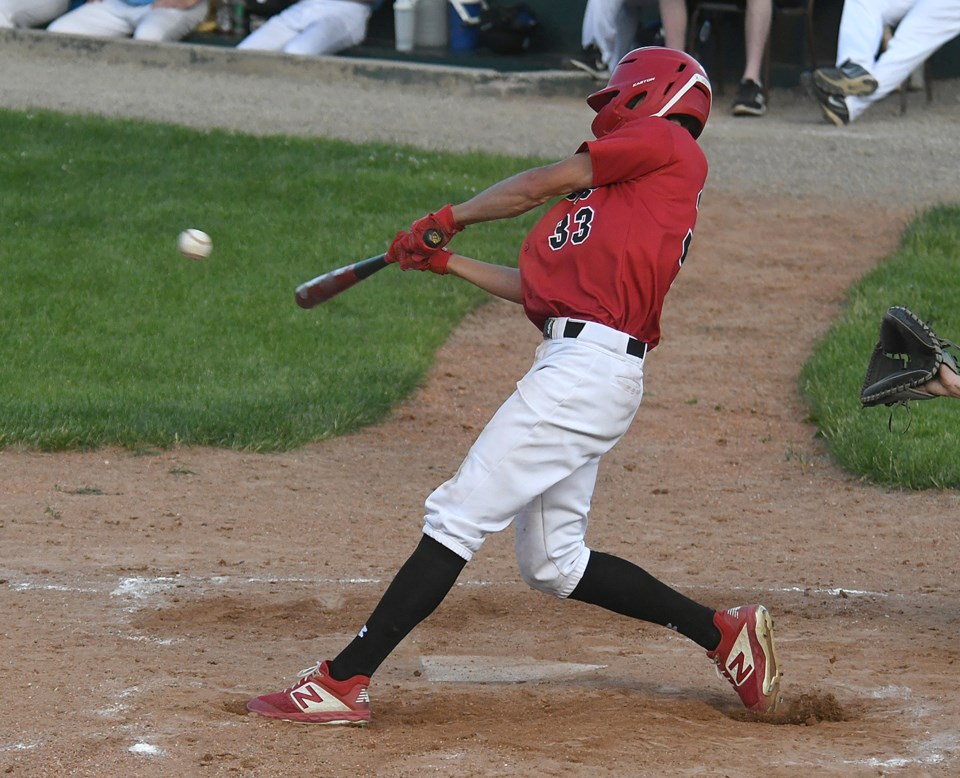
746	656
317	698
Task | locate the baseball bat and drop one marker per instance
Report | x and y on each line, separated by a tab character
320	289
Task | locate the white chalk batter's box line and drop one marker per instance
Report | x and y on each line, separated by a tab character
139	588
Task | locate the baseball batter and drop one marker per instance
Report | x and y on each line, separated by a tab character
593	274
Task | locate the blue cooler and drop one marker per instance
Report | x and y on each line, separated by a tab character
464	25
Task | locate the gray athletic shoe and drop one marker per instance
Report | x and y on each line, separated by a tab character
834	107
846	79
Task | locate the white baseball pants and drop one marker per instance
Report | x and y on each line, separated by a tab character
611	26
30	13
922	27
116	19
312	27
535	463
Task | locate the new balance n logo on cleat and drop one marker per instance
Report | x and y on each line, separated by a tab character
739	662
310	698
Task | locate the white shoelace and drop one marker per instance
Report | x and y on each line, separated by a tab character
310	670
306	673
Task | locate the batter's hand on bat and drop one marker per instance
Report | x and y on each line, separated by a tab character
435	230
398	247
405	252
435	263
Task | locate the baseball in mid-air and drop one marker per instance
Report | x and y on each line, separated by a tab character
194	244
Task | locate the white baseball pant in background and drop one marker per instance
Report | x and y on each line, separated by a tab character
611	26
116	19
922	27
30	13
312	27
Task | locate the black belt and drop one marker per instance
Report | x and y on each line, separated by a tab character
572	329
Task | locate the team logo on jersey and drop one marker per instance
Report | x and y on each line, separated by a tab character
583	194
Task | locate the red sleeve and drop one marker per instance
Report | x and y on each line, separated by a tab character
632	151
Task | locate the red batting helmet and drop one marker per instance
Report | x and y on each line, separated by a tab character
653	81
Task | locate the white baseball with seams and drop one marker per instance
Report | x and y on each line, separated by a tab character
194	244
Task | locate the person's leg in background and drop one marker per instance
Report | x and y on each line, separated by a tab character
30	13
337	25
106	19
927	26
275	33
673	19
609	32
170	24
751	99
598	37
859	39
861	28
627	24
756	33
863	76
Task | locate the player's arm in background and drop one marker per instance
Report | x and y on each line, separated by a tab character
508	198
946	384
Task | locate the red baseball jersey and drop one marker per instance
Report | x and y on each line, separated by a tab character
610	253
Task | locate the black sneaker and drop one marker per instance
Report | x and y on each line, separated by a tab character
834	107
751	101
846	79
590	61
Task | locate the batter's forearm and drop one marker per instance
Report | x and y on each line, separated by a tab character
498	280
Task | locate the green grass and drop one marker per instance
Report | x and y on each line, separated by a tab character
111	337
916	450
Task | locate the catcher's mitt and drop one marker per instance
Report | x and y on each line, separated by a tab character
908	355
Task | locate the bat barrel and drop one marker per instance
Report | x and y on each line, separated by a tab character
331	283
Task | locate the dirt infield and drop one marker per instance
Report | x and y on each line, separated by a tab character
147	596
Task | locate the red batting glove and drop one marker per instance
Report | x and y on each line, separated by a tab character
435	262
397	248
441	227
406	252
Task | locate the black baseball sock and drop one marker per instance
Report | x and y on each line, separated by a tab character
624	588
418	588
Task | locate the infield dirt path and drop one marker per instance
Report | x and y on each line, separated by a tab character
146	598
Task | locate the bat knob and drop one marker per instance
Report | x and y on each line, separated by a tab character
433	239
